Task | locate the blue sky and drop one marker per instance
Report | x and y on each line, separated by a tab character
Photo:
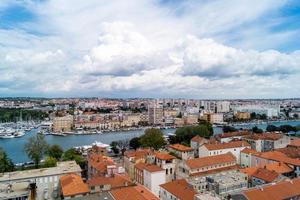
150	48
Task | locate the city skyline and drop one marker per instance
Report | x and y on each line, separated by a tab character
153	48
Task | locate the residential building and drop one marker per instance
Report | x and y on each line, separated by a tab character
288	189
177	189
133	157
153	177
72	186
245	157
46	180
181	151
102	183
200	166
196	143
213	118
222	106
16	191
155	115
267	141
264	176
243	115
63	124
264	158
234	147
99	165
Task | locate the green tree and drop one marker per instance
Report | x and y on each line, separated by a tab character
153	138
50	162
185	134
255	129
55	151
71	154
114	147
36	147
6	165
135	143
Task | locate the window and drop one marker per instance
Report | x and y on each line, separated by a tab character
167	171
171	171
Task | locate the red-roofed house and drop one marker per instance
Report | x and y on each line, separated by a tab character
99	165
182	151
196	166
72	186
166	162
178	189
234	147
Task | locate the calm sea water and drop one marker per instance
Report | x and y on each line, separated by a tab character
15	147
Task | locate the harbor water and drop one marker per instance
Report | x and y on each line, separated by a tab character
15	146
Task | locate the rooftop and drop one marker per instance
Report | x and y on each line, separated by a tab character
115	181
72	184
180	147
277	191
248	151
265	136
210	160
232	134
164	156
229	145
198	139
138	192
180	188
65	167
17	189
265	174
278	156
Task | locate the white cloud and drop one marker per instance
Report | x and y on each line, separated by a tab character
144	48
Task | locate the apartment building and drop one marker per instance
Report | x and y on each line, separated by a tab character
155	115
99	165
214	118
63	124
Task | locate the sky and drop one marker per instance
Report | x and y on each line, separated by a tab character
202	49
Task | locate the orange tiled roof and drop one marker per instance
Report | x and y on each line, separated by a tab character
180	189
140	153
115	181
214	171
265	174
164	156
265	136
210	160
278	156
280	168
278	191
180	147
138	192
197	139
248	151
290	151
100	162
233	144
295	143
72	184
148	167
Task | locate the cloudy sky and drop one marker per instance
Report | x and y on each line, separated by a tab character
150	48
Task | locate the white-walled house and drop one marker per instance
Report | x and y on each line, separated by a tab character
196	143
234	147
245	157
168	163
